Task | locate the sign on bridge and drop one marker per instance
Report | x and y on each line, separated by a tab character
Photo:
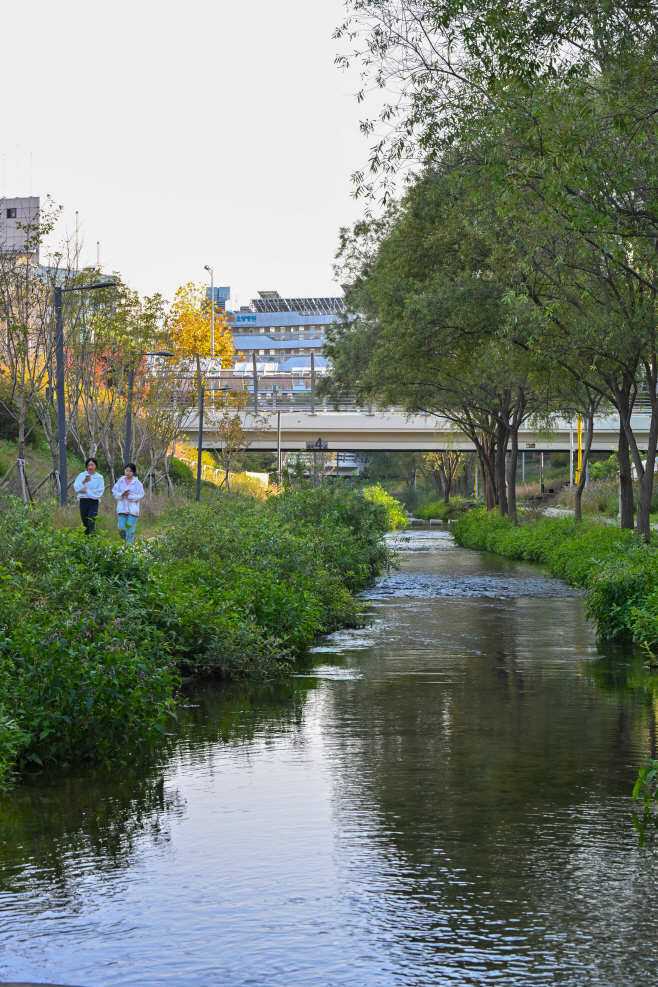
318	446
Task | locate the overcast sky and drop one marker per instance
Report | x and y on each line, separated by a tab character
187	134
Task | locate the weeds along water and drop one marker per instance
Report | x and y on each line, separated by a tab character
94	639
618	573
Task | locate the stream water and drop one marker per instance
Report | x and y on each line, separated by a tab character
441	798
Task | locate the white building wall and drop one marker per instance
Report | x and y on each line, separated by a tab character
14	213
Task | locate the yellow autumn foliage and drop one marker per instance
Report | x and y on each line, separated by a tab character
188	326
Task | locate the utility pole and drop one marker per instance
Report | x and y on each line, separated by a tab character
129	409
200	446
212	309
61	399
312	383
253	357
278	445
59	365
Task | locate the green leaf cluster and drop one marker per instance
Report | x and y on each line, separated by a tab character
395	516
93	637
617	570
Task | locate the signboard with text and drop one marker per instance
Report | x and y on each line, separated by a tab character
320	445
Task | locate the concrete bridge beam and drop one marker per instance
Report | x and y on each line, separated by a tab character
395	432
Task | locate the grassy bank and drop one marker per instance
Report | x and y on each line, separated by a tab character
618	573
94	638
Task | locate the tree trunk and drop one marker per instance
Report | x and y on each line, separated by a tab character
501	449
644	472
583	473
646	483
446	482
511	474
489	488
21	426
625	481
485	448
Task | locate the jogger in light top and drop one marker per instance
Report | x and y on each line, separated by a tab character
89	487
128	492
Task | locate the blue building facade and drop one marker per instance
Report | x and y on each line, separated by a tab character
282	333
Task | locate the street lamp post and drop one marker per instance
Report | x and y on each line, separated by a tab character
59	363
201	390
212	309
200	445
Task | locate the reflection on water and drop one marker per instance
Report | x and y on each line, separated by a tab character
443	798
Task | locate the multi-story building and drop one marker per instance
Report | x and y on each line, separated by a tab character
17	215
282	332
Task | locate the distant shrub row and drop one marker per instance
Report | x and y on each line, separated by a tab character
619	574
436	509
93	638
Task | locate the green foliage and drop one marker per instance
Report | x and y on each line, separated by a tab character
646	790
181	472
93	636
256	461
444	512
604	469
83	690
619	573
395	517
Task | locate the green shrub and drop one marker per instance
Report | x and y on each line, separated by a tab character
395	516
82	690
181	472
604	469
93	636
444	512
618	572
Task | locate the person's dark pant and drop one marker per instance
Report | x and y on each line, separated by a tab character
88	513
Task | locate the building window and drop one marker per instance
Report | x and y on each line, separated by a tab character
11	214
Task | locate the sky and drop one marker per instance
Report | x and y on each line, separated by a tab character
187	134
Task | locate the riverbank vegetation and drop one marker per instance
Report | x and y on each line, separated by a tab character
507	286
618	572
94	639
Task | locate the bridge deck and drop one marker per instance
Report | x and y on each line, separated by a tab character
359	431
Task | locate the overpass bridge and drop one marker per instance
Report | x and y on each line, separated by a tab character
356	431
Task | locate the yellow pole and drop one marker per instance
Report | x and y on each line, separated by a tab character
580	450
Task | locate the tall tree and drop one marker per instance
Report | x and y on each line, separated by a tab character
552	108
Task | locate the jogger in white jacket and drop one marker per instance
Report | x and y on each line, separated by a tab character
128	492
89	487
